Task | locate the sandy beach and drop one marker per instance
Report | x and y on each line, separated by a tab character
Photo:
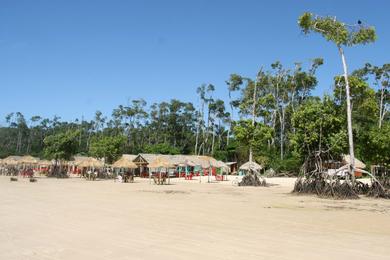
78	219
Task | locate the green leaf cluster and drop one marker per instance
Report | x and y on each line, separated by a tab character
335	31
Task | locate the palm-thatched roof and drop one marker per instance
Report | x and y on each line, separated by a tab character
223	165
78	159
161	162
28	159
126	161
180	160
251	166
44	163
12	160
90	162
358	164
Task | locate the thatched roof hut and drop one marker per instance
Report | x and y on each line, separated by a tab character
358	164
12	160
144	159
44	163
126	161
161	162
78	159
90	162
251	166
81	161
28	159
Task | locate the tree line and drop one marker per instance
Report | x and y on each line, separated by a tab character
289	121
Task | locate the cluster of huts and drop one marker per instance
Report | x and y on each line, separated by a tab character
142	165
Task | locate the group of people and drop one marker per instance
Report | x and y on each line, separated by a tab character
16	171
125	177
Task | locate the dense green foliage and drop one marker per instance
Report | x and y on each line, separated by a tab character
61	146
107	147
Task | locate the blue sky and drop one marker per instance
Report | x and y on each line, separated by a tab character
71	58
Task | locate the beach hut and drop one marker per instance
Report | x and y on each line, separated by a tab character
251	166
359	165
201	164
142	160
222	170
28	160
91	163
184	163
44	163
123	162
12	160
160	163
208	165
232	167
79	162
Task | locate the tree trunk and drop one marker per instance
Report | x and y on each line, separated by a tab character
213	140
349	115
253	121
381	107
282	126
227	136
207	131
197	136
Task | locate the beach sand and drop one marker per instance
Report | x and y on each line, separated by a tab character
78	219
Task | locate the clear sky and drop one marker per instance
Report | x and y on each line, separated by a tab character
71	58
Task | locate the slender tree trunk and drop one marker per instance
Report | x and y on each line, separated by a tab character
220	133
213	141
227	135
201	127
197	136
231	120
273	123
29	141
282	126
349	115
253	121
207	131
19	142
381	107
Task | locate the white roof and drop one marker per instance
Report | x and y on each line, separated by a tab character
358	164
251	166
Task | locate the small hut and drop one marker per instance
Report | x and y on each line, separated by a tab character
91	163
251	166
161	165
125	163
359	165
12	160
44	163
28	160
233	167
